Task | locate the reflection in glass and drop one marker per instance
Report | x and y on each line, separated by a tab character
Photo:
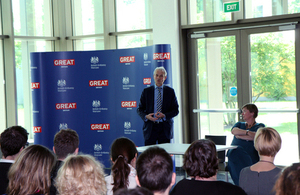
22	54
133	14
87	17
32	17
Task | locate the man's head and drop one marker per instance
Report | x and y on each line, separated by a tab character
13	140
155	170
159	75
66	141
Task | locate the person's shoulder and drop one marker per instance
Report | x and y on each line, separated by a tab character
231	188
168	87
261	125
149	88
238	124
5	165
245	170
108	178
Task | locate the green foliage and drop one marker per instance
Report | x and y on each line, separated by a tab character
228	60
290	127
272	63
18	54
294	7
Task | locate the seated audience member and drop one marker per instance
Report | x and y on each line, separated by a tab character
123	155
245	154
200	162
30	174
12	142
155	171
66	142
260	178
134	191
80	175
288	182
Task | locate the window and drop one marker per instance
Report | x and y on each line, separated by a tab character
133	15
206	11
32	18
258	8
87	17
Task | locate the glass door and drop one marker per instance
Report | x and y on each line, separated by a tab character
273	84
249	66
217	81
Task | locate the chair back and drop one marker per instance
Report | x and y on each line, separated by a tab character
218	140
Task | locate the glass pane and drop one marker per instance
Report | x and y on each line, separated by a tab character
204	11
265	8
2	91
88	44
133	14
32	17
87	17
217	84
22	57
274	87
132	41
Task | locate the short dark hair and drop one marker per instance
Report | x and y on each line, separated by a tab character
12	140
65	142
200	159
154	169
252	108
135	191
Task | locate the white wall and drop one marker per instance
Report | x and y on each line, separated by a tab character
166	31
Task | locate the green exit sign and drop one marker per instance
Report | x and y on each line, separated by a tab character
232	7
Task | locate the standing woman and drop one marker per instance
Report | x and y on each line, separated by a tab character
30	174
123	155
244	132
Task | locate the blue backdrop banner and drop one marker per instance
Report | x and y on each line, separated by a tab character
95	93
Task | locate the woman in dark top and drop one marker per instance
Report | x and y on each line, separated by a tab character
244	132
260	178
201	164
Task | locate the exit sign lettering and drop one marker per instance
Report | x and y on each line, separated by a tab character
232	7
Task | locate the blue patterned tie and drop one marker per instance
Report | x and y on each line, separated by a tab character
159	100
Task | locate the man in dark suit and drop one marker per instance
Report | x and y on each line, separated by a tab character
158	105
12	140
66	142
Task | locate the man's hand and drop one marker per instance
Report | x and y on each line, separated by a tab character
159	115
151	117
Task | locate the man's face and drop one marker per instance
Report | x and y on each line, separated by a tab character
159	77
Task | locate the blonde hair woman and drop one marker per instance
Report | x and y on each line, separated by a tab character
81	174
30	174
260	178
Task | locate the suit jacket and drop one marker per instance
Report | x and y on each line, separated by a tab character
4	168
169	108
58	164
